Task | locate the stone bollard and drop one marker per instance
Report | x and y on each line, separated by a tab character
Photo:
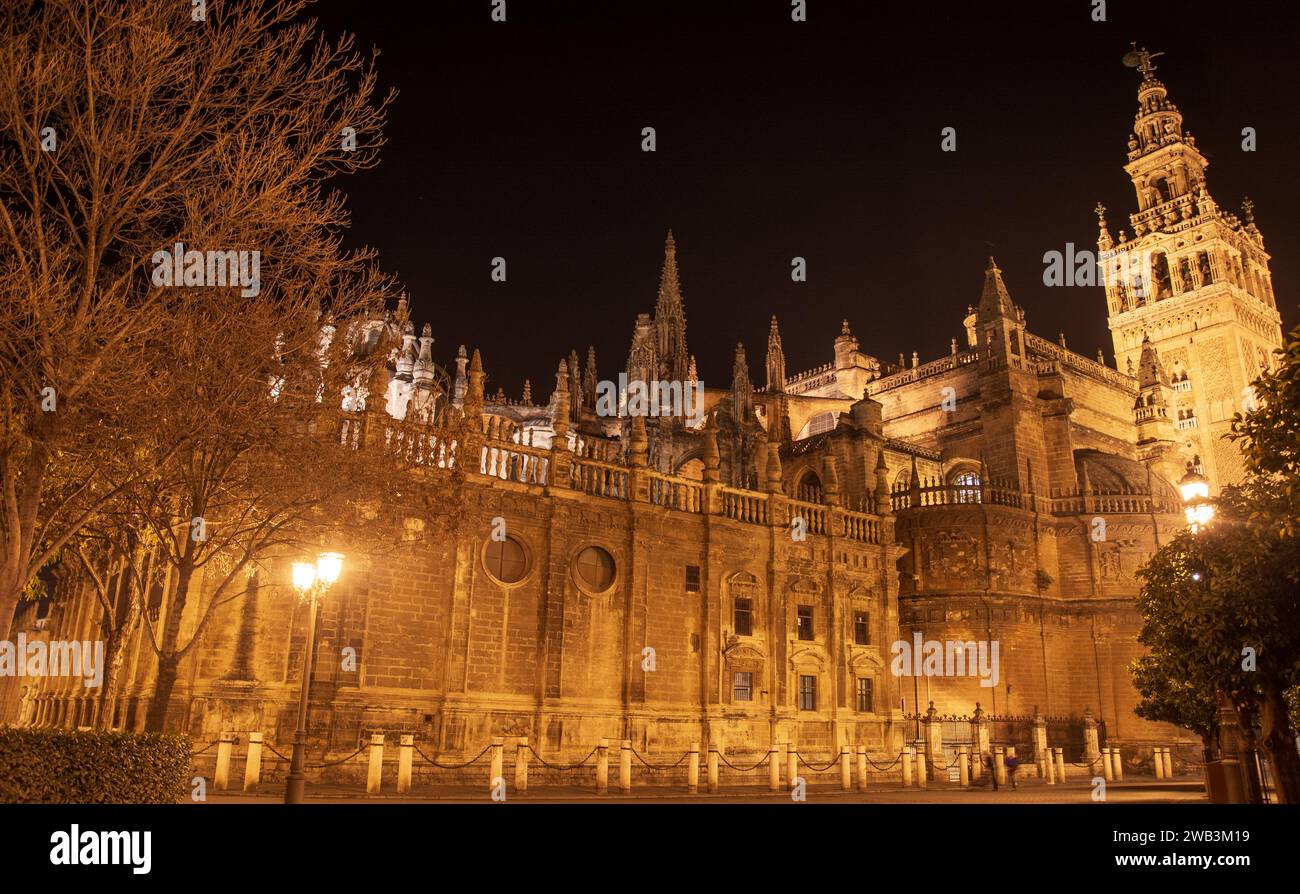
693	769
1117	763
774	767
221	777
846	778
405	755
907	767
1049	766
521	765
862	768
919	760
1106	771
791	764
713	767
602	766
963	766
1169	763
976	765
625	766
1060	764
253	764
374	776
498	762
1157	760
1000	765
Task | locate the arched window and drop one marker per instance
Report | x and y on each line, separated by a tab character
809	488
1160	275
966	487
692	469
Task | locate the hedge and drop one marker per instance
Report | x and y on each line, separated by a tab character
47	766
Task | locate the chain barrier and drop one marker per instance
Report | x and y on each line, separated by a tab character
650	766
322	766
270	748
723	758
210	746
888	766
814	767
541	760
453	766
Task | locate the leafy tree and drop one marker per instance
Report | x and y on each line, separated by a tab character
1218	608
1269	438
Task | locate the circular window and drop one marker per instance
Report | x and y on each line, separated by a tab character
506	560
595	569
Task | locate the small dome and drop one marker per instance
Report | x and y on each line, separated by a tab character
1108	473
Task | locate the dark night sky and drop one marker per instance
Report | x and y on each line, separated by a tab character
778	139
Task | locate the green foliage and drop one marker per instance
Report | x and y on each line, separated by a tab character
1206	599
41	766
1170	694
1269	437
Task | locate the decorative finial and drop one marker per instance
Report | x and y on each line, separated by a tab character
844	328
1248	209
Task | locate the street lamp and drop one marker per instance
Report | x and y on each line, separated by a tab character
311	582
1196	496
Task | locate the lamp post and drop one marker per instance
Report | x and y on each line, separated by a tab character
1196	496
311	582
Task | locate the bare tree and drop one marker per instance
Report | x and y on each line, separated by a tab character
125	129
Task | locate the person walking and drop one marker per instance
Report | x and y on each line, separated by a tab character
1012	764
991	770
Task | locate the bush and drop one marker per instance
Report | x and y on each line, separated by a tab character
44	766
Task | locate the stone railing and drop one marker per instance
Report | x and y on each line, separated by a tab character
672	492
1137	502
1078	363
924	371
600	479
938	494
1134	502
744	505
814	515
514	462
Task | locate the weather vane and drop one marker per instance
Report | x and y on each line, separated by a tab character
1141	60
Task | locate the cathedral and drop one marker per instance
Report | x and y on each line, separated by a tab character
741	576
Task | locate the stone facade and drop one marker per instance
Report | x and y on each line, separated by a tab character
740	579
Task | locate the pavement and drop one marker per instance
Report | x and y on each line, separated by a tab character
1139	791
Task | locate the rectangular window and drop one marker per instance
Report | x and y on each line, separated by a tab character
805	622
865	695
744	618
861	628
807	693
692	578
743	686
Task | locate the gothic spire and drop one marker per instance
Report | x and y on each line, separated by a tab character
742	389
590	379
995	300
670	319
775	359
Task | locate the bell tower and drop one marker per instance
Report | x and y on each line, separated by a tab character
1192	283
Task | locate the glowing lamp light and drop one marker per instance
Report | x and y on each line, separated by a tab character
328	567
1196	494
304	576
